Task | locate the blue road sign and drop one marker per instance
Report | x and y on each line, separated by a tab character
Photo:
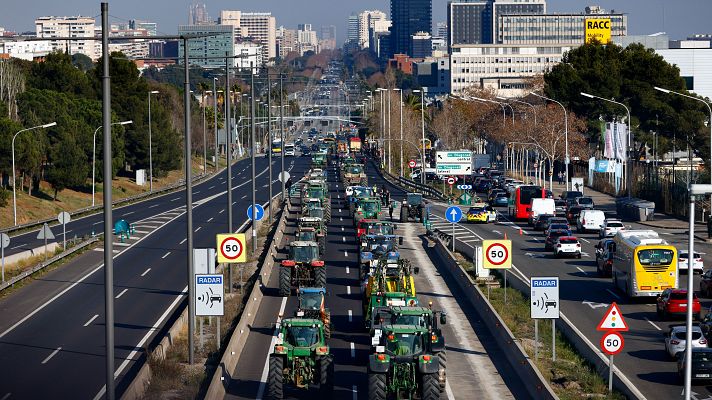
453	214
259	212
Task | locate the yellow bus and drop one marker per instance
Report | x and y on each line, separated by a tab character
643	264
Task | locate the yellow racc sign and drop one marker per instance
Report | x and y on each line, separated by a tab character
598	30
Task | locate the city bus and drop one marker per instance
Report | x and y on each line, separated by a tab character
276	146
643	264
520	200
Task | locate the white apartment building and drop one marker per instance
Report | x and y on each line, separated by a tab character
307	40
49	27
377	27
258	27
504	68
366	21
25	50
252	53
286	41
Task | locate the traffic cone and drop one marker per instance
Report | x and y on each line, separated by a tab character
505	235
520	231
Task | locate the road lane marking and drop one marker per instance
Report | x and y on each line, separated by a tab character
341	219
653	324
154	206
222	211
342	229
265	369
585	240
182	241
354	391
211	187
196	192
7	396
91	319
197	229
211	218
176	199
234	202
343	239
353	350
54	353
348	271
582	271
243	197
613	294
165	255
351	316
97	223
348	290
346	254
122	293
145	272
128	213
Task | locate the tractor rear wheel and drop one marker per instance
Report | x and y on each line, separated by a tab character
320	277
327	324
285	281
275	379
326	376
377	386
430	390
442	370
322	246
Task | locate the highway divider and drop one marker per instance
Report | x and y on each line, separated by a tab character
409	184
533	380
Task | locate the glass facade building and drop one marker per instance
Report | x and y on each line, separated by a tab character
407	18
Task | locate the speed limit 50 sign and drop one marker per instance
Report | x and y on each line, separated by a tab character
612	343
497	254
231	248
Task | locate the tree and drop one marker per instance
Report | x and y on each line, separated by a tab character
12	83
58	74
68	166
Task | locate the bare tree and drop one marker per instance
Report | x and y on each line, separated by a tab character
12	83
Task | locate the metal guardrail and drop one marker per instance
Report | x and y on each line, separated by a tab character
44	264
427	190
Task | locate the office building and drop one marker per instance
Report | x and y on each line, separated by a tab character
366	20
352	33
501	67
307	39
286	41
150	27
260	28
220	44
198	14
49	27
25	50
433	75
441	30
554	28
421	45
477	22
408	17
251	55
327	40
382	44
377	28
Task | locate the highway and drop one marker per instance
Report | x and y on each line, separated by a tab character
585	296
55	324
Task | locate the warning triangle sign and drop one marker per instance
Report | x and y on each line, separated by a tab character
612	320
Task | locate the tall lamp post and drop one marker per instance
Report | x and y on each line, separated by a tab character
150	146
422	143
566	136
401	130
93	160
629	168
14	195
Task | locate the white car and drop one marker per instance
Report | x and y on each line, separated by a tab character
697	267
610	227
567	246
675	339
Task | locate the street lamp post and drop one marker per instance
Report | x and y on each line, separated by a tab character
520	102
150	145
93	160
215	122
401	130
566	137
422	143
14	195
629	168
389	129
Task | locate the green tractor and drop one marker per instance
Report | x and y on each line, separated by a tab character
367	208
354	174
312	304
300	358
404	365
303	267
412	208
318	160
318	190
309	234
311	207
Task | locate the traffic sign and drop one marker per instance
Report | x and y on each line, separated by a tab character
497	254
453	214
284	176
613	320
464	187
451	181
544	294
612	343
411	163
45	233
209	292
4	240
259	212
232	248
454	157
64	217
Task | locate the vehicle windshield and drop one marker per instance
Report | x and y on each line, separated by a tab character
310	301
405	344
354	170
614	225
475	210
414	199
379	229
416	320
655	257
316	193
585	201
306	236
303	254
316	212
568	240
369	206
302	336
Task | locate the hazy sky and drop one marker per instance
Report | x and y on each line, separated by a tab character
679	18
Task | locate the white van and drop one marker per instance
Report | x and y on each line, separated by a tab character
541	207
590	220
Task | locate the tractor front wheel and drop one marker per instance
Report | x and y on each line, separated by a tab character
442	370
285	281
320	277
430	389
327	324
275	379
326	376
377	386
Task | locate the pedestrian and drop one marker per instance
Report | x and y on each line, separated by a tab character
709	227
561	177
390	209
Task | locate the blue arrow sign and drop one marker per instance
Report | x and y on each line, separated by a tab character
453	214
259	212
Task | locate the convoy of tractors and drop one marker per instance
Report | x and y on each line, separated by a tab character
407	357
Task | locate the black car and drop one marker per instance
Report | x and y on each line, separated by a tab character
571	194
553	236
573	213
604	257
542	222
701	364
560	205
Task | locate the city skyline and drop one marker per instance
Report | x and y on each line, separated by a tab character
684	18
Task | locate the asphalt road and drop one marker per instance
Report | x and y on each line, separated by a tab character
54	347
585	297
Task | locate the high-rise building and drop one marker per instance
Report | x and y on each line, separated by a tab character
352	34
327	40
477	22
421	45
286	41
150	27
306	39
441	30
408	17
251	55
221	43
49	27
198	14
258	27
553	28
366	20
374	32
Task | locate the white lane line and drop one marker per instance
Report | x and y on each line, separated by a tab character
354	391
353	350
265	369
128	213
197	229
166	255
343	238
183	241
122	293
176	199
582	271
97	223
145	338
139	231
54	353
145	272
7	396
91	319
348	271
339	210
211	187
342	229
585	240
351	316
341	219
613	294
243	197
653	324
211	218
17	247
196	192
346	254
154	206
222	211
348	290
234	202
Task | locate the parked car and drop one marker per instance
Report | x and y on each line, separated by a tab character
675	339
706	284
610	227
590	220
682	262
542	221
701	364
502	200
567	246
604	257
585	202
552	237
673	302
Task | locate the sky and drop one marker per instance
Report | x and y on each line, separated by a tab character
679	18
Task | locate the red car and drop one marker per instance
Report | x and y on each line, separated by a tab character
374	227
674	302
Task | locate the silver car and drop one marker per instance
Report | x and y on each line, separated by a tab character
675	339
